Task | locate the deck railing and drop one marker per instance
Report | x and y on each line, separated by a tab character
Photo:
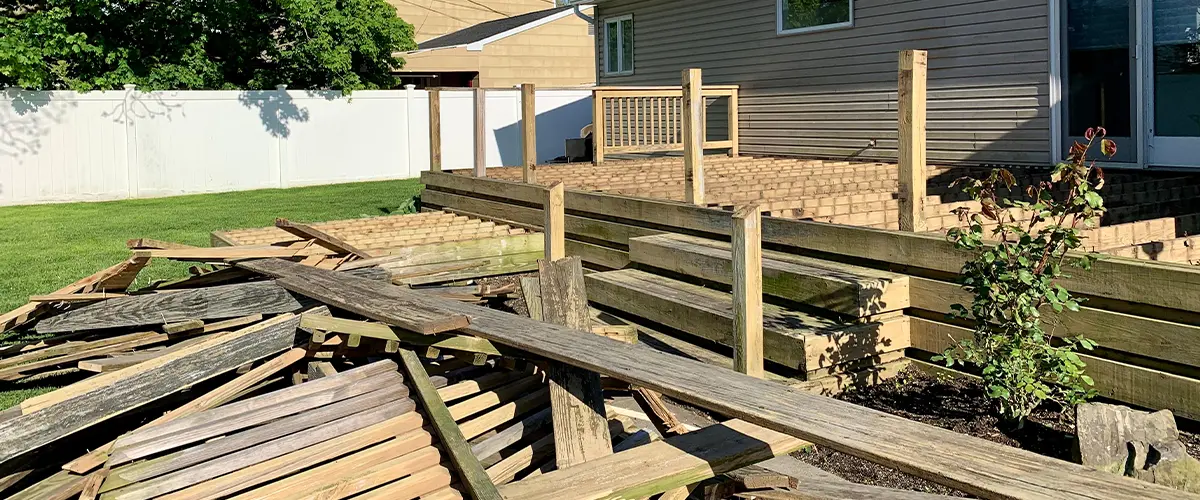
651	119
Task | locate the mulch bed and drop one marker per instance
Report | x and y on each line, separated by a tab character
957	404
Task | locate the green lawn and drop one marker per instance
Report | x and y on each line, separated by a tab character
46	247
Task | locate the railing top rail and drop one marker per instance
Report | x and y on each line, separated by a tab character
663	87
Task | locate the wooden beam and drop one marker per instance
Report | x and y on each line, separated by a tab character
976	466
149	243
554	226
660	466
733	123
226	301
693	137
480	127
580	429
322	238
470	472
599	127
108	395
914	65
385	332
435	130
747	291
378	301
116	278
74	297
528	132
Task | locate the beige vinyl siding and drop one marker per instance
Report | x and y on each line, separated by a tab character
558	54
829	93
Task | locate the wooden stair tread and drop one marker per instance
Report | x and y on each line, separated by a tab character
792	338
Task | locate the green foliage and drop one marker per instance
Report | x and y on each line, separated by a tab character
1013	281
201	44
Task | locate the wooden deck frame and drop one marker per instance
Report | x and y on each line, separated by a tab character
1130	311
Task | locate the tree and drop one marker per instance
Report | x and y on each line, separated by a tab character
200	44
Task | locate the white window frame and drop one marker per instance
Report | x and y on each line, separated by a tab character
620	46
809	29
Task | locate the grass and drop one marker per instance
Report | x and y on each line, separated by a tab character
46	247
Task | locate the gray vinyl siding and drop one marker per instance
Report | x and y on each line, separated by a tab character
828	93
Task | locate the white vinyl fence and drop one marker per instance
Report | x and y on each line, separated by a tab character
68	146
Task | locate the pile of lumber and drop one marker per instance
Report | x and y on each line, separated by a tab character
266	376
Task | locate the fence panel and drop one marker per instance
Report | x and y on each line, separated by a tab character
67	146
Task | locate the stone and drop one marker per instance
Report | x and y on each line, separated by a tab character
1135	443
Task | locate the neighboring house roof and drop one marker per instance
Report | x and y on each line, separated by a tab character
475	37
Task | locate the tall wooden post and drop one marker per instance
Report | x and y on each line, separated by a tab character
529	132
480	132
435	130
747	291
599	127
553	206
693	136
733	123
914	65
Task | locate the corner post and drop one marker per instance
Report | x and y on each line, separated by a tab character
693	136
554	208
914	66
529	132
747	291
435	130
480	132
599	127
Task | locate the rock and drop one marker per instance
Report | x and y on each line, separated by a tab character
1135	443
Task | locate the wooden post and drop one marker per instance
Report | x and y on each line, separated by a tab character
529	131
480	132
693	137
733	123
747	291
599	127
576	397
553	207
435	130
914	64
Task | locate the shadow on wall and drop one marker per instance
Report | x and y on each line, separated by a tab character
554	127
277	109
26	119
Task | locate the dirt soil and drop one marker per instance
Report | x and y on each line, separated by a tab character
959	405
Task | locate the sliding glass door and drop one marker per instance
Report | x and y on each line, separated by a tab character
1133	67
1174	82
1100	71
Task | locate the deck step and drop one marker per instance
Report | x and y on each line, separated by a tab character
846	289
813	345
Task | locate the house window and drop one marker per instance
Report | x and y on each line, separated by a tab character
800	16
618	46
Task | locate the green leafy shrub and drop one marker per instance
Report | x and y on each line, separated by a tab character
1013	280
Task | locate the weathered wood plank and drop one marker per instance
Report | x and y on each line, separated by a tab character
218	302
385	332
230	463
842	288
375	300
576	397
204	426
152	380
554	223
511	435
693	137
402	429
528	133
660	466
453	251
474	478
216	397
